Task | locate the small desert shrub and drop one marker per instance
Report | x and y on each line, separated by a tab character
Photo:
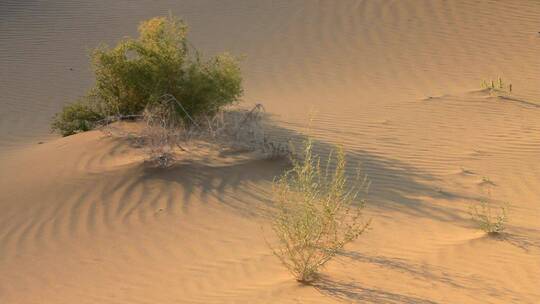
487	219
315	215
138	72
498	87
76	117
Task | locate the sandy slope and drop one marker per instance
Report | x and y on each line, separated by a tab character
84	220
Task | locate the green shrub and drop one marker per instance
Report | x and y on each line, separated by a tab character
76	117
489	221
315	217
138	72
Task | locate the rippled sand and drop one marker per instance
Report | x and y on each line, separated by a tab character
83	220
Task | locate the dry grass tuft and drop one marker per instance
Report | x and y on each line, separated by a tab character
315	216
497	88
487	219
164	134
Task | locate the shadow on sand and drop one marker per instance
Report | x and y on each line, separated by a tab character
352	292
244	184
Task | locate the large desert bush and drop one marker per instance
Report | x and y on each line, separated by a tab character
316	213
138	72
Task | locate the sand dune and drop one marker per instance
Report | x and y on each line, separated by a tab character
83	219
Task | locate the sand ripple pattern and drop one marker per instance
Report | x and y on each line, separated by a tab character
397	83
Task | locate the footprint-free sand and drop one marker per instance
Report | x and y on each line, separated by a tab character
83	219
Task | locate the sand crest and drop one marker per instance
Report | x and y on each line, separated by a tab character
83	219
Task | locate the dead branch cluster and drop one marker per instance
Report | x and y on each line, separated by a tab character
165	132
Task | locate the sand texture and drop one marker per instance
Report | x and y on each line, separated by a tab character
83	219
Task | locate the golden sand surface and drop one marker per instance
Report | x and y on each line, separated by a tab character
84	220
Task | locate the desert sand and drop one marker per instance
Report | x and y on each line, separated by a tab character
83	219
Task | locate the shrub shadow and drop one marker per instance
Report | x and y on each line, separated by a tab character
420	272
239	185
353	292
520	241
395	185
